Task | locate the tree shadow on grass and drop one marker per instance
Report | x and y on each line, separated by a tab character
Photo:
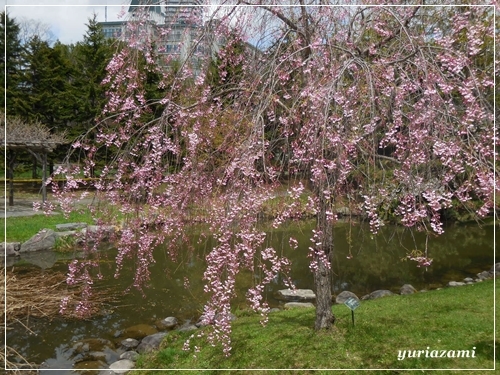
486	349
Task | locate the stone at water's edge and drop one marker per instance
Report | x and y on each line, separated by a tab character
151	342
10	248
407	289
132	355
129	343
296	295
455	283
377	294
43	240
70	227
344	296
299	305
167	323
122	366
187	327
485	275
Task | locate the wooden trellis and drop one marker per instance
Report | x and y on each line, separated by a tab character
33	137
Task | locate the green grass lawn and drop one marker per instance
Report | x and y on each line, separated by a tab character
20	229
449	319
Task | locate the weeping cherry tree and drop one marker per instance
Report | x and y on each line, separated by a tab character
387	110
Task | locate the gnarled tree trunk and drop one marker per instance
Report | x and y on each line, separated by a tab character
322	256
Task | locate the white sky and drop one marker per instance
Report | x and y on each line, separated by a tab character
67	18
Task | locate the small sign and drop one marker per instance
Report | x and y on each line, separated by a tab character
352	303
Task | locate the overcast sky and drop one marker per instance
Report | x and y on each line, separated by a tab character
66	18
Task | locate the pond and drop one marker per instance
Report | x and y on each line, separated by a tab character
462	251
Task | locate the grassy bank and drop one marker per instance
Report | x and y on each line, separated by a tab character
449	319
20	229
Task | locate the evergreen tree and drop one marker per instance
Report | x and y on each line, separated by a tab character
45	84
10	61
91	58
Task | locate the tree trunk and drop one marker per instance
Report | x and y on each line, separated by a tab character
44	176
34	174
323	283
323	271
11	159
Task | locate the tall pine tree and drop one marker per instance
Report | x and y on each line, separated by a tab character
45	84
10	61
91	57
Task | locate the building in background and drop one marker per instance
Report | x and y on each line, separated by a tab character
153	7
113	29
181	35
183	12
175	26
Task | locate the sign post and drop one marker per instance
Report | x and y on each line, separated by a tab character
352	303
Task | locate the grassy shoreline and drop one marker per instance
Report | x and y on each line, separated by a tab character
450	319
22	228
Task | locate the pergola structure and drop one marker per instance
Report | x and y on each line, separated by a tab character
35	138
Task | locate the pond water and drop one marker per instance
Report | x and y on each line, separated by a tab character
462	251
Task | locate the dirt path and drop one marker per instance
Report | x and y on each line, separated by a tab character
23	206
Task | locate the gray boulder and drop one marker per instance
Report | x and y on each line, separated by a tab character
344	296
129	343
296	295
167	323
151	342
485	275
299	305
407	289
187	327
132	355
122	366
43	240
10	248
456	283
377	294
70	227
468	280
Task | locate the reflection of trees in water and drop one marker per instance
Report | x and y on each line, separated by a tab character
377	260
